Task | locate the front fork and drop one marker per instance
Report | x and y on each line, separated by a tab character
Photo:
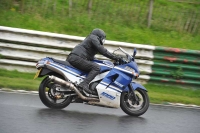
132	96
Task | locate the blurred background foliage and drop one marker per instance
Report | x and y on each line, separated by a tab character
173	23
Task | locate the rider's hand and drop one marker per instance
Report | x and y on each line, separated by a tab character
118	58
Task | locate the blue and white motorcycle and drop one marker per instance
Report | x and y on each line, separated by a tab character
114	84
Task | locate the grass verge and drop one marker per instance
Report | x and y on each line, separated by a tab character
121	20
157	93
18	80
173	94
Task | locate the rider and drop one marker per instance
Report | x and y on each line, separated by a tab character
82	55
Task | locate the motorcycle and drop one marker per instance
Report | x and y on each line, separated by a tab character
114	85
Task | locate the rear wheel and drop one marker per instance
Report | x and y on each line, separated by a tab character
134	108
51	97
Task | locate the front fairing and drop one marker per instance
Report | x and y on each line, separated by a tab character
135	86
131	66
135	66
127	61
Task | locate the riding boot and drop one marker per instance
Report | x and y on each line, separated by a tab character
88	79
85	87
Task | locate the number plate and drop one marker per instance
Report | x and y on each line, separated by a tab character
37	73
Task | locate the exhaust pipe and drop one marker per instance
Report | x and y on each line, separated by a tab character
71	87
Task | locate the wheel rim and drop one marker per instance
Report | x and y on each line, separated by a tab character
52	95
136	106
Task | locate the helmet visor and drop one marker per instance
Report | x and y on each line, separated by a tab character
103	41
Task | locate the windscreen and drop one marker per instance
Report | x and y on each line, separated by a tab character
120	51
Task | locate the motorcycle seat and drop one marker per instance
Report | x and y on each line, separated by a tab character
66	63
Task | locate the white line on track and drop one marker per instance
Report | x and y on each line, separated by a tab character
165	104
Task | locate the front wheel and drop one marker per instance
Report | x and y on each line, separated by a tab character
50	97
134	108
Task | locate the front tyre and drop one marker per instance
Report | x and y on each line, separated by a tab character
133	108
49	96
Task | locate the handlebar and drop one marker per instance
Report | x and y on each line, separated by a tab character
120	61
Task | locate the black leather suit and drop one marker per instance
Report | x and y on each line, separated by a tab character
82	55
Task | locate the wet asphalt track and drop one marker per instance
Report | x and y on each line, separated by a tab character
24	113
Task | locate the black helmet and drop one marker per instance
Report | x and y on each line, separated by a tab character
101	34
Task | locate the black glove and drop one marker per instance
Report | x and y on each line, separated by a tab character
117	58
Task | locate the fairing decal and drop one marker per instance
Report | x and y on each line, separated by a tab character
63	69
111	87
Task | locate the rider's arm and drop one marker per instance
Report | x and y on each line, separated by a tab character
102	50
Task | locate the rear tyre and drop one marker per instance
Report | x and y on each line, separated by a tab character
48	94
135	108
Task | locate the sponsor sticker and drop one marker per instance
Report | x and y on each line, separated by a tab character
108	95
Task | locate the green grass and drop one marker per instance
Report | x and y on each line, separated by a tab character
166	93
157	93
18	80
120	24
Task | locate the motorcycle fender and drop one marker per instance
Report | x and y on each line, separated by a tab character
44	71
135	86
